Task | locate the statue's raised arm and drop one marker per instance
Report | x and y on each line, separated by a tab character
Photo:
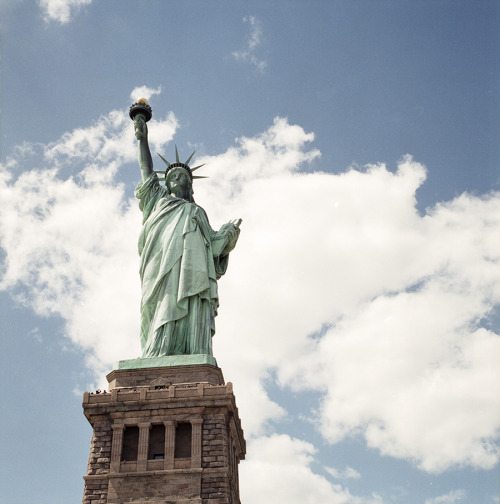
141	112
182	257
144	154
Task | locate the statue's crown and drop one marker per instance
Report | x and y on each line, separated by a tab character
178	164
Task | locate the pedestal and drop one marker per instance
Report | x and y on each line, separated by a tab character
164	435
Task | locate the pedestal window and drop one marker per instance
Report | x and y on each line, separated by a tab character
130	444
183	435
156	449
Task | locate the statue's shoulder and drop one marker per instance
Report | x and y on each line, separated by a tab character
150	185
200	211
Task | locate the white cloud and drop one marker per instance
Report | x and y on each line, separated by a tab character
36	335
61	10
347	473
278	470
449	498
405	361
411	368
71	239
144	92
254	40
405	357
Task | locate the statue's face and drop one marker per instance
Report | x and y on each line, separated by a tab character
179	182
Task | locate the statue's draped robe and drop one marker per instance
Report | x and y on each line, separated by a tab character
178	272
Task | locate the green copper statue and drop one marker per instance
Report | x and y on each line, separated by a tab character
182	257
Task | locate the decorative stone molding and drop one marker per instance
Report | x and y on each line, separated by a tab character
151	398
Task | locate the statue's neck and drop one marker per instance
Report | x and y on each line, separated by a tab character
181	194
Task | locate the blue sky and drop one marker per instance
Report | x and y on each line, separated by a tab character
357	140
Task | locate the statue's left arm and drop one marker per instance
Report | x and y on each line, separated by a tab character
231	231
223	242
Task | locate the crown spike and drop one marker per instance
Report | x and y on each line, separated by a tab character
178	165
189	158
196	167
164	160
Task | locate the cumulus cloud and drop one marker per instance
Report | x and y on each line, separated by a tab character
337	285
253	42
70	240
278	470
391	309
415	366
61	10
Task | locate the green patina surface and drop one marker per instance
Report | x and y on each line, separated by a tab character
165	361
182	258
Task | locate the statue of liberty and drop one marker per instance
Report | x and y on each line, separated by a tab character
182	257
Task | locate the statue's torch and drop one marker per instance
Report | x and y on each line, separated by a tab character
141	107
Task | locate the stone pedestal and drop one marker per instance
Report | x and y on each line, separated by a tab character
164	435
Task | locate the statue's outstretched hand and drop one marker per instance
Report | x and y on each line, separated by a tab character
232	231
141	129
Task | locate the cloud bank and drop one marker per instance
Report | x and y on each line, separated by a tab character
69	236
338	285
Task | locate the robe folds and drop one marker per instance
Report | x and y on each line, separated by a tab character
179	271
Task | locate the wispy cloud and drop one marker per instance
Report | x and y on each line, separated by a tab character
36	335
61	10
449	498
347	473
254	40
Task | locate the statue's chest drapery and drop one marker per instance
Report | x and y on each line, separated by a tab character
176	235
